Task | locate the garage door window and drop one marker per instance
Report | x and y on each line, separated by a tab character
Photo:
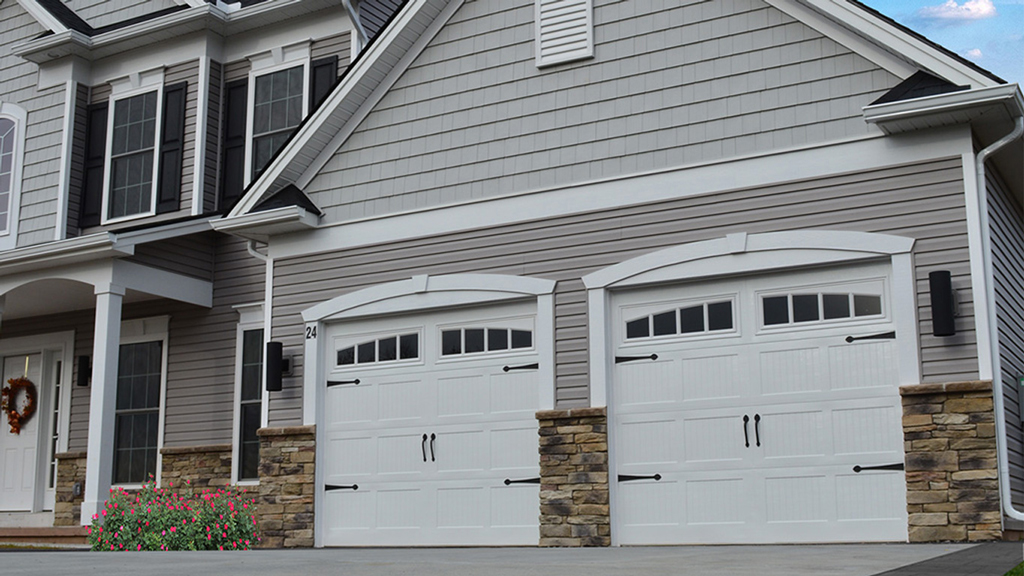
802	308
481	340
690	320
388	349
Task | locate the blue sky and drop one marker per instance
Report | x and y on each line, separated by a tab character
987	32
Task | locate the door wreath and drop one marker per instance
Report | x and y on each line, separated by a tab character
17	418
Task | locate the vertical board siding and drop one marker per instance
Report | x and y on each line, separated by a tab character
211	178
44	130
339	45
922	201
77	160
100	13
187	72
1006	224
670	85
188	255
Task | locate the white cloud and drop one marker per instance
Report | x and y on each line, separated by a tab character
950	11
973	54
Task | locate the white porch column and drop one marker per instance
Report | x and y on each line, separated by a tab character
103	399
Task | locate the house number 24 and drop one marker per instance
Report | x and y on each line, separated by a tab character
310	332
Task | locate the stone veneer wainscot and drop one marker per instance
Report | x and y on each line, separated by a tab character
191	469
574	477
950	445
286	491
67	508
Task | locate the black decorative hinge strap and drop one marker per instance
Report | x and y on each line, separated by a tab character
882	336
523	367
628	478
899	466
621	359
329	487
342	382
523	481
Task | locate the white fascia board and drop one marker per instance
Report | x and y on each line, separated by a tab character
890	38
261	225
946	109
157	233
43	16
319	134
81	249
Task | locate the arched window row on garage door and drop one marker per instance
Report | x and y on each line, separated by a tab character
387	349
703	318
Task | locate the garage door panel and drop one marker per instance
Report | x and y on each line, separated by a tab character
514	449
715	440
717	500
401	509
461	451
870	495
401	401
462	507
792	434
354	511
863	365
712	377
866	431
790	371
515	506
650	504
514	394
795	498
400	454
647	382
351	405
643	443
462	396
350	457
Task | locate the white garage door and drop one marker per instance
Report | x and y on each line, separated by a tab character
426	418
742	407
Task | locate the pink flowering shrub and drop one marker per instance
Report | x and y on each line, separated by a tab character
160	519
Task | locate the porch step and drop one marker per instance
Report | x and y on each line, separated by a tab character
61	536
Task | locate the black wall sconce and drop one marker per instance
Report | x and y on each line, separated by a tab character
84	371
274	360
944	303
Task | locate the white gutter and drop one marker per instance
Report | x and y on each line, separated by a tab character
361	38
999	402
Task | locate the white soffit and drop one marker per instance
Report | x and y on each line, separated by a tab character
1000	103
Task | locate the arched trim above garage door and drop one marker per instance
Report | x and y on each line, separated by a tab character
421	293
744	253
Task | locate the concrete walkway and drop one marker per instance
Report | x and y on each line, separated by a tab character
852	559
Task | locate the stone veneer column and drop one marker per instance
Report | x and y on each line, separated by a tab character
67	508
285	505
574	477
949	439
190	469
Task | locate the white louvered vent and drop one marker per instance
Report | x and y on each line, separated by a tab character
565	31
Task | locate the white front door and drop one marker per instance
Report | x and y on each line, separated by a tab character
18	463
426	416
741	409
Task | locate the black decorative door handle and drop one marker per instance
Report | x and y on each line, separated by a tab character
882	336
621	359
423	447
757	428
629	478
899	466
523	367
331	383
523	481
432	438
746	435
330	487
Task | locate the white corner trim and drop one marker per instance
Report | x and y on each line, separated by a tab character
43	16
200	142
66	148
436	291
800	247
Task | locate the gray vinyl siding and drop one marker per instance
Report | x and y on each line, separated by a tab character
100	93
1006	220
43	130
189	255
100	13
375	13
923	201
211	179
669	86
236	70
77	160
187	72
339	45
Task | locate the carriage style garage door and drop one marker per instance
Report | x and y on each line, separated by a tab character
751	401
426	416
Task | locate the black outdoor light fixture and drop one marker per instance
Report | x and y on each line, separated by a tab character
274	360
944	303
84	371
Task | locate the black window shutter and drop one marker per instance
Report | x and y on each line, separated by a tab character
236	102
322	79
172	144
95	154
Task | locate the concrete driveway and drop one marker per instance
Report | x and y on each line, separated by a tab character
853	559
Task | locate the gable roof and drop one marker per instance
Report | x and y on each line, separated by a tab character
72	21
881	41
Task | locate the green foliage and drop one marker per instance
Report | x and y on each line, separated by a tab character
1018	571
160	519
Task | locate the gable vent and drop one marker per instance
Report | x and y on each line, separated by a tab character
565	31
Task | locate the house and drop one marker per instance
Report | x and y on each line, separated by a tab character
556	272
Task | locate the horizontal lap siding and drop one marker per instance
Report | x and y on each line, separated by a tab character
339	45
474	117
1006	221
923	201
189	255
187	72
100	13
236	70
43	132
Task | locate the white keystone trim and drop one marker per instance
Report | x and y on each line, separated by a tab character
745	253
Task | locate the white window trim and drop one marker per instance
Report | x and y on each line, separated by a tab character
250	317
588	52
9	236
275	60
153	329
121	89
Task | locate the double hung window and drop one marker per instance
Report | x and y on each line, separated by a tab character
8	133
137	414
278	103
132	156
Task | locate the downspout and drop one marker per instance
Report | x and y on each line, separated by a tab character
251	247
999	403
361	39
